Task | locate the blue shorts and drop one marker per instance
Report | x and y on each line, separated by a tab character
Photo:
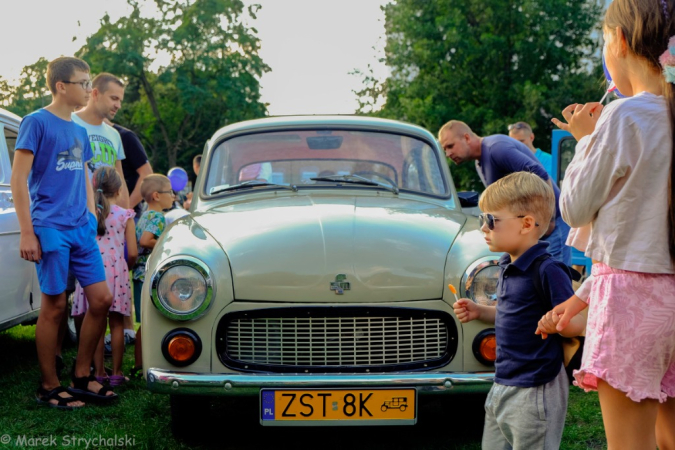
74	249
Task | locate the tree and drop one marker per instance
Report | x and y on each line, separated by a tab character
31	93
488	63
210	79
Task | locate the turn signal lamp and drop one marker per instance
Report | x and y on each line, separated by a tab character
485	347
181	347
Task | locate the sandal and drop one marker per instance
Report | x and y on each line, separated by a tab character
44	397
103	380
80	389
118	380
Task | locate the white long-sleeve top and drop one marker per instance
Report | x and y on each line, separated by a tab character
618	182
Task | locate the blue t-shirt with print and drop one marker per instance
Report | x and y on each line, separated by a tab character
56	182
502	155
524	359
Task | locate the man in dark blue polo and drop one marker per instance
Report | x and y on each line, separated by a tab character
497	156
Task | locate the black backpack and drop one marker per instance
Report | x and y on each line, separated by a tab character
572	347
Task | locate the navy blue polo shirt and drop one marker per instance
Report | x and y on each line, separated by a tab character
502	155
524	359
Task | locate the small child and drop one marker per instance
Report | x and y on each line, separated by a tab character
114	228
156	191
527	404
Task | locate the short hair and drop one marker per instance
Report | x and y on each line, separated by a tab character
103	80
455	125
522	193
520	126
62	68
197	160
153	183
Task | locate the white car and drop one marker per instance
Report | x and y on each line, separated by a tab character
312	275
20	294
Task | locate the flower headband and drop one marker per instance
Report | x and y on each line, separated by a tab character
667	60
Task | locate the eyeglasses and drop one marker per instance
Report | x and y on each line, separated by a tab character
517	126
170	191
490	220
86	85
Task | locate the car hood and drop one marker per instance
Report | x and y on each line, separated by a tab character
296	249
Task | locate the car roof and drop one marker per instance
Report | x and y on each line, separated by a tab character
309	122
9	116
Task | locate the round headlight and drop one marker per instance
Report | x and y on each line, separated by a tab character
182	288
480	281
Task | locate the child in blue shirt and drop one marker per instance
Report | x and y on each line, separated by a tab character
527	404
54	206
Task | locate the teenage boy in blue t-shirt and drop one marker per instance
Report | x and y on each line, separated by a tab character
55	207
527	404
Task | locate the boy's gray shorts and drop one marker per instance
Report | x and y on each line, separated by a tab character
526	418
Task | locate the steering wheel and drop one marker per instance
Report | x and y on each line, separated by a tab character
369	173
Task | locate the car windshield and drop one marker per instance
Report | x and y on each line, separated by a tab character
327	159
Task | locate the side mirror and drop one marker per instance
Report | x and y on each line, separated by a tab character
468	199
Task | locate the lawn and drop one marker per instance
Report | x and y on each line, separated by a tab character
141	419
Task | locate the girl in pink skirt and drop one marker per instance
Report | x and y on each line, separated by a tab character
115	227
620	186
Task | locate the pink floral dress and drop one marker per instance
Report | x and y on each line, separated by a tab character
111	246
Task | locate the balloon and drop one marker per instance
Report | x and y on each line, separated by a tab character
178	177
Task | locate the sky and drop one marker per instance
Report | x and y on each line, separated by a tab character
310	45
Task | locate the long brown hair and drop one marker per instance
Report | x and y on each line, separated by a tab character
648	26
107	184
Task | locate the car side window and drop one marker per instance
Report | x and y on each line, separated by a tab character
565	155
7	146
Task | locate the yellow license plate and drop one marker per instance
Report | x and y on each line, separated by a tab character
279	407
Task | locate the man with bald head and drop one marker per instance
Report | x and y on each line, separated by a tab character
497	156
522	132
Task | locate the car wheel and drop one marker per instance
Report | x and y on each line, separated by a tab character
384	408
403	408
187	414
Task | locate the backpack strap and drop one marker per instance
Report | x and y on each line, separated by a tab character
544	298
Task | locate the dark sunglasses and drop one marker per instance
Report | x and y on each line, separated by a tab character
490	220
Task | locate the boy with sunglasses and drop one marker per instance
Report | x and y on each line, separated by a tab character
527	404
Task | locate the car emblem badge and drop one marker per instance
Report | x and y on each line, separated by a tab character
340	285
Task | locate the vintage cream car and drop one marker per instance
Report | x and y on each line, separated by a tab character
20	294
312	276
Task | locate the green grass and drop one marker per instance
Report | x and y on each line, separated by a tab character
142	418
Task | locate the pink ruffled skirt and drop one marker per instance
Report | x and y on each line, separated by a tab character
630	335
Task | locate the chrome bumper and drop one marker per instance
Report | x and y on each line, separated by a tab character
239	384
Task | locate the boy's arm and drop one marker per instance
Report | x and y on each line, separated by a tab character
91	203
466	311
549	323
148	240
29	245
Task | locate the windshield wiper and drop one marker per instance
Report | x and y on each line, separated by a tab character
250	184
357	179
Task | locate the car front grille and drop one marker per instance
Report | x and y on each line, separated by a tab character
336	339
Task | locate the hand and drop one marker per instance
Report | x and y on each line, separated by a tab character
547	324
466	310
581	119
29	247
568	309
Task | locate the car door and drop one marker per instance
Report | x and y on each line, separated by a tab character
17	276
